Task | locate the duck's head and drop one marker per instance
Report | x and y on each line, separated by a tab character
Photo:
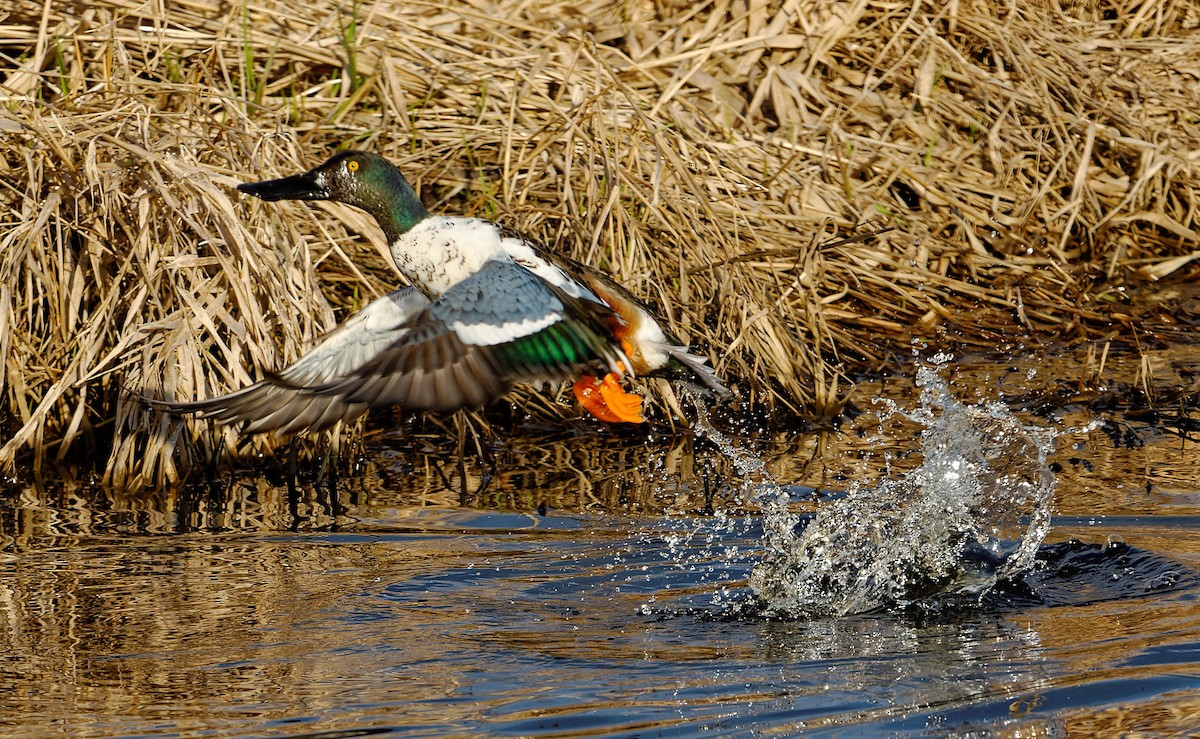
357	178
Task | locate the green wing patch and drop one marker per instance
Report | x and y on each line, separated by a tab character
553	350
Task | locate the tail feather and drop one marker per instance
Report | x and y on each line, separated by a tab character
691	368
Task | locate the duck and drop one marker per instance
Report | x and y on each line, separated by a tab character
485	308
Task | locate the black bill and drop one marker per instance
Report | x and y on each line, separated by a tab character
305	186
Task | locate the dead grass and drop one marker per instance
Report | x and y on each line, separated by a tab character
1035	160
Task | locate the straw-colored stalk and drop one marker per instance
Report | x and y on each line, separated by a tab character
1030	160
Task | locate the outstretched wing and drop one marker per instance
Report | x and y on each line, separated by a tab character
283	402
502	325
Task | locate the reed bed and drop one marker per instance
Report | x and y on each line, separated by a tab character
735	163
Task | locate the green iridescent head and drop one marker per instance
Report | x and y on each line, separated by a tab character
357	178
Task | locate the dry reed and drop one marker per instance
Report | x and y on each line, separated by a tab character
1033	159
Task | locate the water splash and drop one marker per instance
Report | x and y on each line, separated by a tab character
758	483
972	514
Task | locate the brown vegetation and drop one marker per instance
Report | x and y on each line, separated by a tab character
1034	159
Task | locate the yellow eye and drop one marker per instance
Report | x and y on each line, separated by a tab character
352	165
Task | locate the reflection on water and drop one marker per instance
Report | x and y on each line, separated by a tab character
597	584
541	629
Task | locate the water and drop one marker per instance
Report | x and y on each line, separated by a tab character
586	591
973	514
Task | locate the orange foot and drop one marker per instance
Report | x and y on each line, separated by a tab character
607	400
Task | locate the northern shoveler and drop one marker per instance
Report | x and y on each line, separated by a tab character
487	308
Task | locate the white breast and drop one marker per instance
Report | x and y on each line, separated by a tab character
443	250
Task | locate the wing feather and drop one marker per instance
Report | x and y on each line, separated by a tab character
500	326
466	348
283	403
